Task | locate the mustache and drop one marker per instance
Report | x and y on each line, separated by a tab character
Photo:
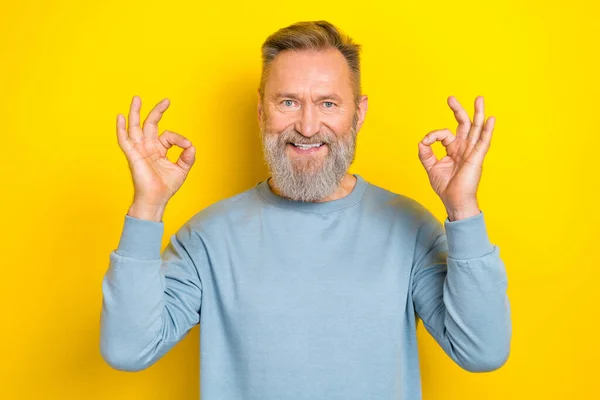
293	136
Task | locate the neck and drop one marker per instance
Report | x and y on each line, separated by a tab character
344	189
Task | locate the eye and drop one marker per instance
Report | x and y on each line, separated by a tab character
329	104
288	103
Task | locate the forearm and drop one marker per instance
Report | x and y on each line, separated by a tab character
459	292
477	314
477	321
132	323
132	293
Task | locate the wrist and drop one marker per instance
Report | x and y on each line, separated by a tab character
458	215
465	211
147	212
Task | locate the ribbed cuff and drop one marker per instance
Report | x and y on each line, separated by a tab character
141	238
468	237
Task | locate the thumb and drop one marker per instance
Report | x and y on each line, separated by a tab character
187	158
427	156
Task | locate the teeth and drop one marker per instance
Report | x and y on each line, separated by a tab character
307	146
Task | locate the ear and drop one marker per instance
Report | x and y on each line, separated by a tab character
259	107
363	105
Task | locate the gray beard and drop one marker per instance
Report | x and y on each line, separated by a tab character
308	179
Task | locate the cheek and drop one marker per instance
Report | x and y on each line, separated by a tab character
278	122
338	124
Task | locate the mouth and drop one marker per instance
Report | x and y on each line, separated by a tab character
307	148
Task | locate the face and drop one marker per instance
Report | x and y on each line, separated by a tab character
309	122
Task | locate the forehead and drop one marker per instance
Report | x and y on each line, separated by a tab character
309	70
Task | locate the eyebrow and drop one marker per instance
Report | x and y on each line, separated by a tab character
331	96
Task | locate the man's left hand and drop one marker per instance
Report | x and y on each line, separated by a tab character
455	177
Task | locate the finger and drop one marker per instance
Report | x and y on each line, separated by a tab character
188	156
150	126
170	138
483	144
426	154
462	117
122	137
133	128
444	135
478	120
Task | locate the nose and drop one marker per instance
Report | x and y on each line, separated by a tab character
308	124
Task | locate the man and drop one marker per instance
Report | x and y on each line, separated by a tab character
310	284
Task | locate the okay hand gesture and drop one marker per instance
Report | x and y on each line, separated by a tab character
155	177
456	176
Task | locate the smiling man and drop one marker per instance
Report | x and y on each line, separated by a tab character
309	118
309	285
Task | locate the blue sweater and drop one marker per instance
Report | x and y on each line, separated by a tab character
307	300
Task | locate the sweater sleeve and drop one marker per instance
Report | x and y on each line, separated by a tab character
149	301
459	292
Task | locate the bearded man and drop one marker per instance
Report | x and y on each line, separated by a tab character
310	284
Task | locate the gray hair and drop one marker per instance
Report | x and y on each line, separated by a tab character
312	35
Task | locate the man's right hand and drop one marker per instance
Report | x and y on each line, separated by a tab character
155	177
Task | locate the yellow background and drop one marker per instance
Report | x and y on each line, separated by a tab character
67	68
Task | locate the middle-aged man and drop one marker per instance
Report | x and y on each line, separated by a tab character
308	285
